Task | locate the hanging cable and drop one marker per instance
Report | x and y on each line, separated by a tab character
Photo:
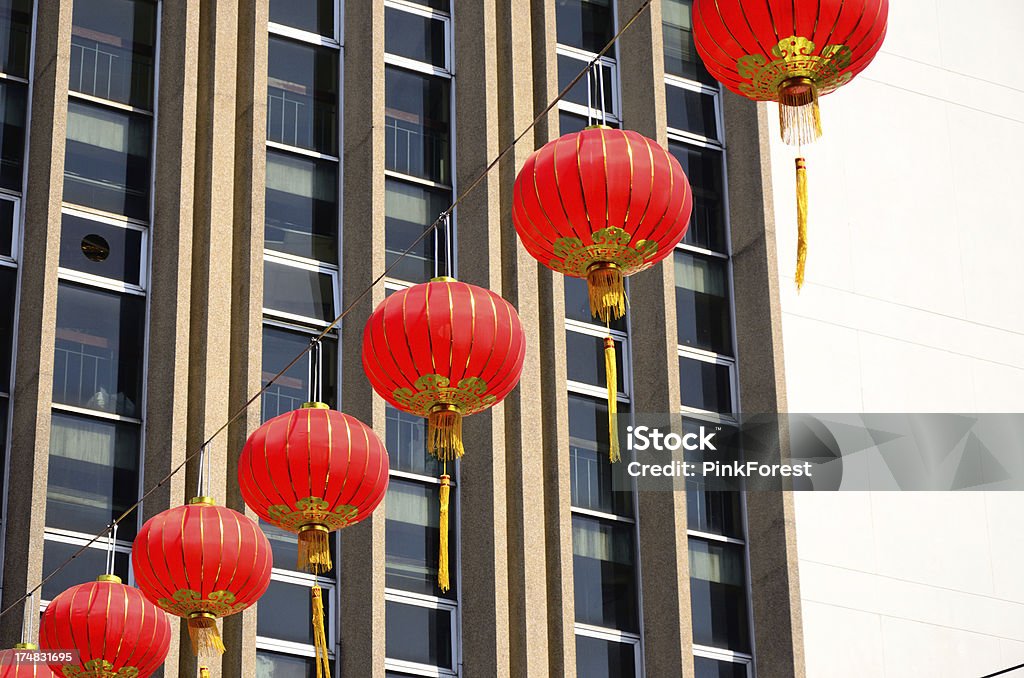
353	304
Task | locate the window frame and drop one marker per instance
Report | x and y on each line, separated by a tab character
421	66
308	581
584	57
72	538
16	229
434	603
92	280
622	348
309	265
616	636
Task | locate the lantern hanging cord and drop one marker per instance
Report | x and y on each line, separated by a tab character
432	228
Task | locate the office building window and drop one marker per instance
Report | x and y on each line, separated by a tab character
317	17
302	96
113	44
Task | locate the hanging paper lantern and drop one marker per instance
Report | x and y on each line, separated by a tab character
444	350
791	53
602	204
12	666
312	471
116	631
201	562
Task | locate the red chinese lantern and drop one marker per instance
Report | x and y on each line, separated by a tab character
312	471
201	562
444	350
602	204
116	631
18	663
791	53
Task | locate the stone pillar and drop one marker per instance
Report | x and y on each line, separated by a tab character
37	314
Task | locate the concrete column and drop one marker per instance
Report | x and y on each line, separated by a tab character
213	219
664	557
771	528
487	626
37	314
170	295
361	594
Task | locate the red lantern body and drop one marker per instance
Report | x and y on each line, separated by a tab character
10	667
201	562
117	632
601	204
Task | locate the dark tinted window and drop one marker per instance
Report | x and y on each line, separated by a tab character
414	36
291	390
302	206
713	668
15	36
285	611
407	444
417	120
593	485
703	167
277	665
412	537
8	288
85	568
718	595
569	68
681	56
12	134
702	303
586	24
586	360
604	573
691	111
302	96
112	47
418	634
597	658
577	303
408	210
315	16
705	385
298	291
100	249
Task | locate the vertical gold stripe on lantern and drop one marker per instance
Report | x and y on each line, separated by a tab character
801	220
442	560
611	377
323	665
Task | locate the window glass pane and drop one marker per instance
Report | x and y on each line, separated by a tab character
703	167
285	611
15	36
418	634
302	207
291	389
414	36
597	658
702	303
681	56
604	573
99	349
112	46
592	483
569	68
302	96
718	595
705	386
586	24
713	668
12	134
412	537
691	111
100	249
7	215
8	288
585	354
417	125
298	291
408	210
93	474
570	122
315	16
439	5
407	444
107	160
577	302
89	564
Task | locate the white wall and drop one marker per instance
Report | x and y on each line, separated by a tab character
914	302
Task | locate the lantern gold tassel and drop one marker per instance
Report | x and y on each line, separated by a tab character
314	549
613	400
607	293
442	559
799	113
204	672
202	630
801	220
323	666
444	433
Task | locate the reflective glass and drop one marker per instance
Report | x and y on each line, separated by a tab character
418	634
407	444
714	512
591	482
718	595
585	355
12	134
315	16
412	537
414	36
577	302
705	385
702	303
285	611
691	111
586	24
99	350
604	573
291	389
112	48
93	473
703	167
15	36
7	216
8	289
298	291
408	210
302	206
681	56
713	668
85	568
106	165
598	658
568	68
302	95
101	249
417	121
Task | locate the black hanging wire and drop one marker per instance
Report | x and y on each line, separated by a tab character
355	302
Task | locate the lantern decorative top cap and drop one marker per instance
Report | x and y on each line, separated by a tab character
112	578
443	278
206	501
315	406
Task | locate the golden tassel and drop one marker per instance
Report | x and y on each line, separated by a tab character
799	113
202	630
204	672
801	220
314	549
611	377
607	293
444	432
323	665
442	559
